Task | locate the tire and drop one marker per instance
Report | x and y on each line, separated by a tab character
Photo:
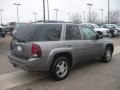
3	36
107	55
60	68
110	35
113	35
119	33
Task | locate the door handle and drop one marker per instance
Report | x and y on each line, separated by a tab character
69	45
87	44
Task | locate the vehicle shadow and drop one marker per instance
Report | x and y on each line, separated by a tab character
79	66
86	63
44	80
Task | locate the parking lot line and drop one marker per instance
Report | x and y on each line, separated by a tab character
14	79
18	78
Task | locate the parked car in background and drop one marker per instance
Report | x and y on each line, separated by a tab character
2	32
56	47
12	26
113	31
17	26
115	26
105	31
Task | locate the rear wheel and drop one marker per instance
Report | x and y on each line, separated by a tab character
60	68
107	55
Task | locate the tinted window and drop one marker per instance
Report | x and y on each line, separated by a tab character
12	23
37	32
0	29
118	26
89	34
49	32
104	26
25	32
95	25
72	32
110	26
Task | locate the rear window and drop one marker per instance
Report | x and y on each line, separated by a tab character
35	32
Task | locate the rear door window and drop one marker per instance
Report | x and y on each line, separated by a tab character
49	32
72	32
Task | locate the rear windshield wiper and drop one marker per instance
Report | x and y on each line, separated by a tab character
19	40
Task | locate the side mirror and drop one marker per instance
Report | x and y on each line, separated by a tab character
92	27
114	27
99	35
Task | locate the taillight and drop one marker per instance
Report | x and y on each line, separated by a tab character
36	51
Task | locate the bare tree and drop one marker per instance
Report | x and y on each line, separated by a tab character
76	18
114	17
93	18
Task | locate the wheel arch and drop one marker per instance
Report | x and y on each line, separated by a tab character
110	45
68	55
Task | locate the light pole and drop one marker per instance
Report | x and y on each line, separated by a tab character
89	5
44	10
56	11
35	15
69	17
83	16
1	10
17	5
108	11
48	9
102	14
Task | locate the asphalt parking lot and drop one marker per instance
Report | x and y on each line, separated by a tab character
88	75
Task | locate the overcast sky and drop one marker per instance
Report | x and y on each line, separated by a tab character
65	6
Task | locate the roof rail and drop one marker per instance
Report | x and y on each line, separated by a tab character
53	21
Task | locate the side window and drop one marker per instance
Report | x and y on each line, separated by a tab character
49	32
73	32
103	26
113	26
89	34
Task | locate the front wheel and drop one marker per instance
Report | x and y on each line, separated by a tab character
3	35
107	55
110	35
60	68
119	33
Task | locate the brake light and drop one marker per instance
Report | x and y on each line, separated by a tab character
36	51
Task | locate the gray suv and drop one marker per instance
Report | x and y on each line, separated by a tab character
56	47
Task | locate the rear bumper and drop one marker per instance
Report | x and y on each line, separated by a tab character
32	64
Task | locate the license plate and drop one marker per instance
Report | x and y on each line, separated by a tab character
19	48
